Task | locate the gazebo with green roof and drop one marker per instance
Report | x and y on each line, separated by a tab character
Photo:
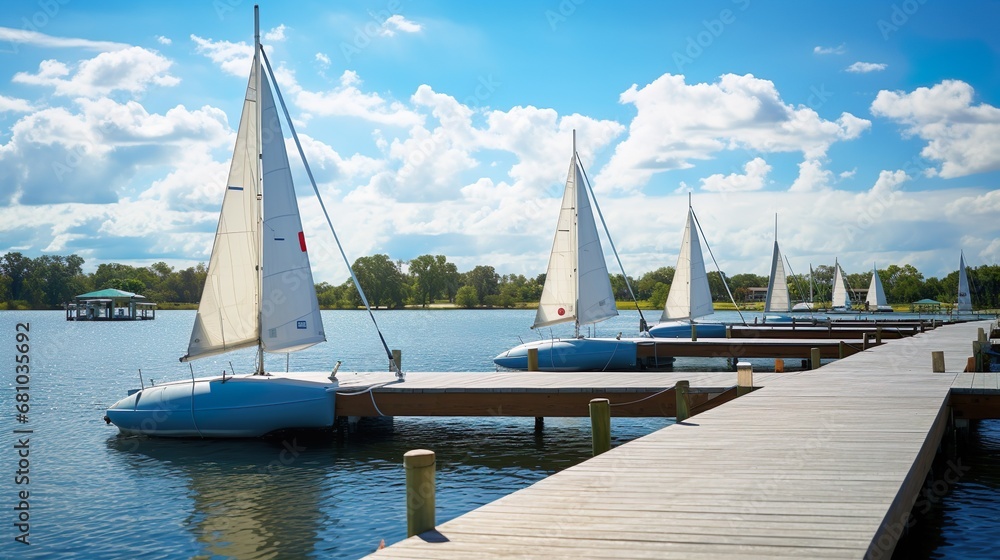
926	306
110	305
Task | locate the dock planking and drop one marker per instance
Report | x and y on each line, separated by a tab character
816	464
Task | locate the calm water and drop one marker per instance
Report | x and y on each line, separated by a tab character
96	495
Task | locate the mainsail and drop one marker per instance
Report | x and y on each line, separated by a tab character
577	287
840	296
876	293
259	289
777	300
690	296
964	295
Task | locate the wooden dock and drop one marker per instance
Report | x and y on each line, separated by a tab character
824	463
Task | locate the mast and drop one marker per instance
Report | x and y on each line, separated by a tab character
576	241
259	194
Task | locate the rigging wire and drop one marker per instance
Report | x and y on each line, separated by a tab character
721	274
607	233
357	284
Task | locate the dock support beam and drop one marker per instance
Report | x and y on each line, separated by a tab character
814	358
744	378
681	391
419	466
600	425
937	362
532	359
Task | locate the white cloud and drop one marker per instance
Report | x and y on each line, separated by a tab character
964	137
163	40
399	23
349	101
36	39
275	35
233	58
676	123
756	171
14	105
839	49
848	174
323	60
865	67
812	177
132	70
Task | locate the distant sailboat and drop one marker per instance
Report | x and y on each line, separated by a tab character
806	306
841	301
964	301
259	292
578	289
777	302
690	296
875	301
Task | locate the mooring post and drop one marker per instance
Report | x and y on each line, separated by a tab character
397	358
694	331
779	365
841	349
681	391
532	359
419	466
600	425
977	354
814	357
937	361
729	331
744	378
539	424
864	341
878	334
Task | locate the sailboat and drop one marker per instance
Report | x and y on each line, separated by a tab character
964	301
777	302
841	300
806	306
689	297
875	302
259	292
577	289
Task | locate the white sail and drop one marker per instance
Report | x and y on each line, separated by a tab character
690	296
840	296
228	314
876	293
577	286
290	317
964	295
777	300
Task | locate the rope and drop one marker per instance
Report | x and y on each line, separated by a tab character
357	284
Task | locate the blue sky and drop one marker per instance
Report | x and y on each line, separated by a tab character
870	128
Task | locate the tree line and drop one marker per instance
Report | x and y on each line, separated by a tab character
49	281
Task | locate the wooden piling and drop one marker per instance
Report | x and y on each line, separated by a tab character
744	378
694	331
864	341
419	466
397	358
539	424
842	349
779	365
878	334
814	358
600	425
729	331
532	359
937	362
681	391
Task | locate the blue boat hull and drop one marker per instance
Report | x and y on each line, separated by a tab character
682	329
573	354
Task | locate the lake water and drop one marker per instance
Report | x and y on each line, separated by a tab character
94	494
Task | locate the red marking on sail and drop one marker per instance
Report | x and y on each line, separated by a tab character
561	311
302	241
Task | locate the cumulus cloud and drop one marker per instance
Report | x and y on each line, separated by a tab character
399	23
865	67
233	58
755	172
812	177
348	100
677	123
963	137
14	105
323	60
34	38
275	35
839	49
163	40
132	70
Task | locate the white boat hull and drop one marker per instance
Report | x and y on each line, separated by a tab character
573	354
240	406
